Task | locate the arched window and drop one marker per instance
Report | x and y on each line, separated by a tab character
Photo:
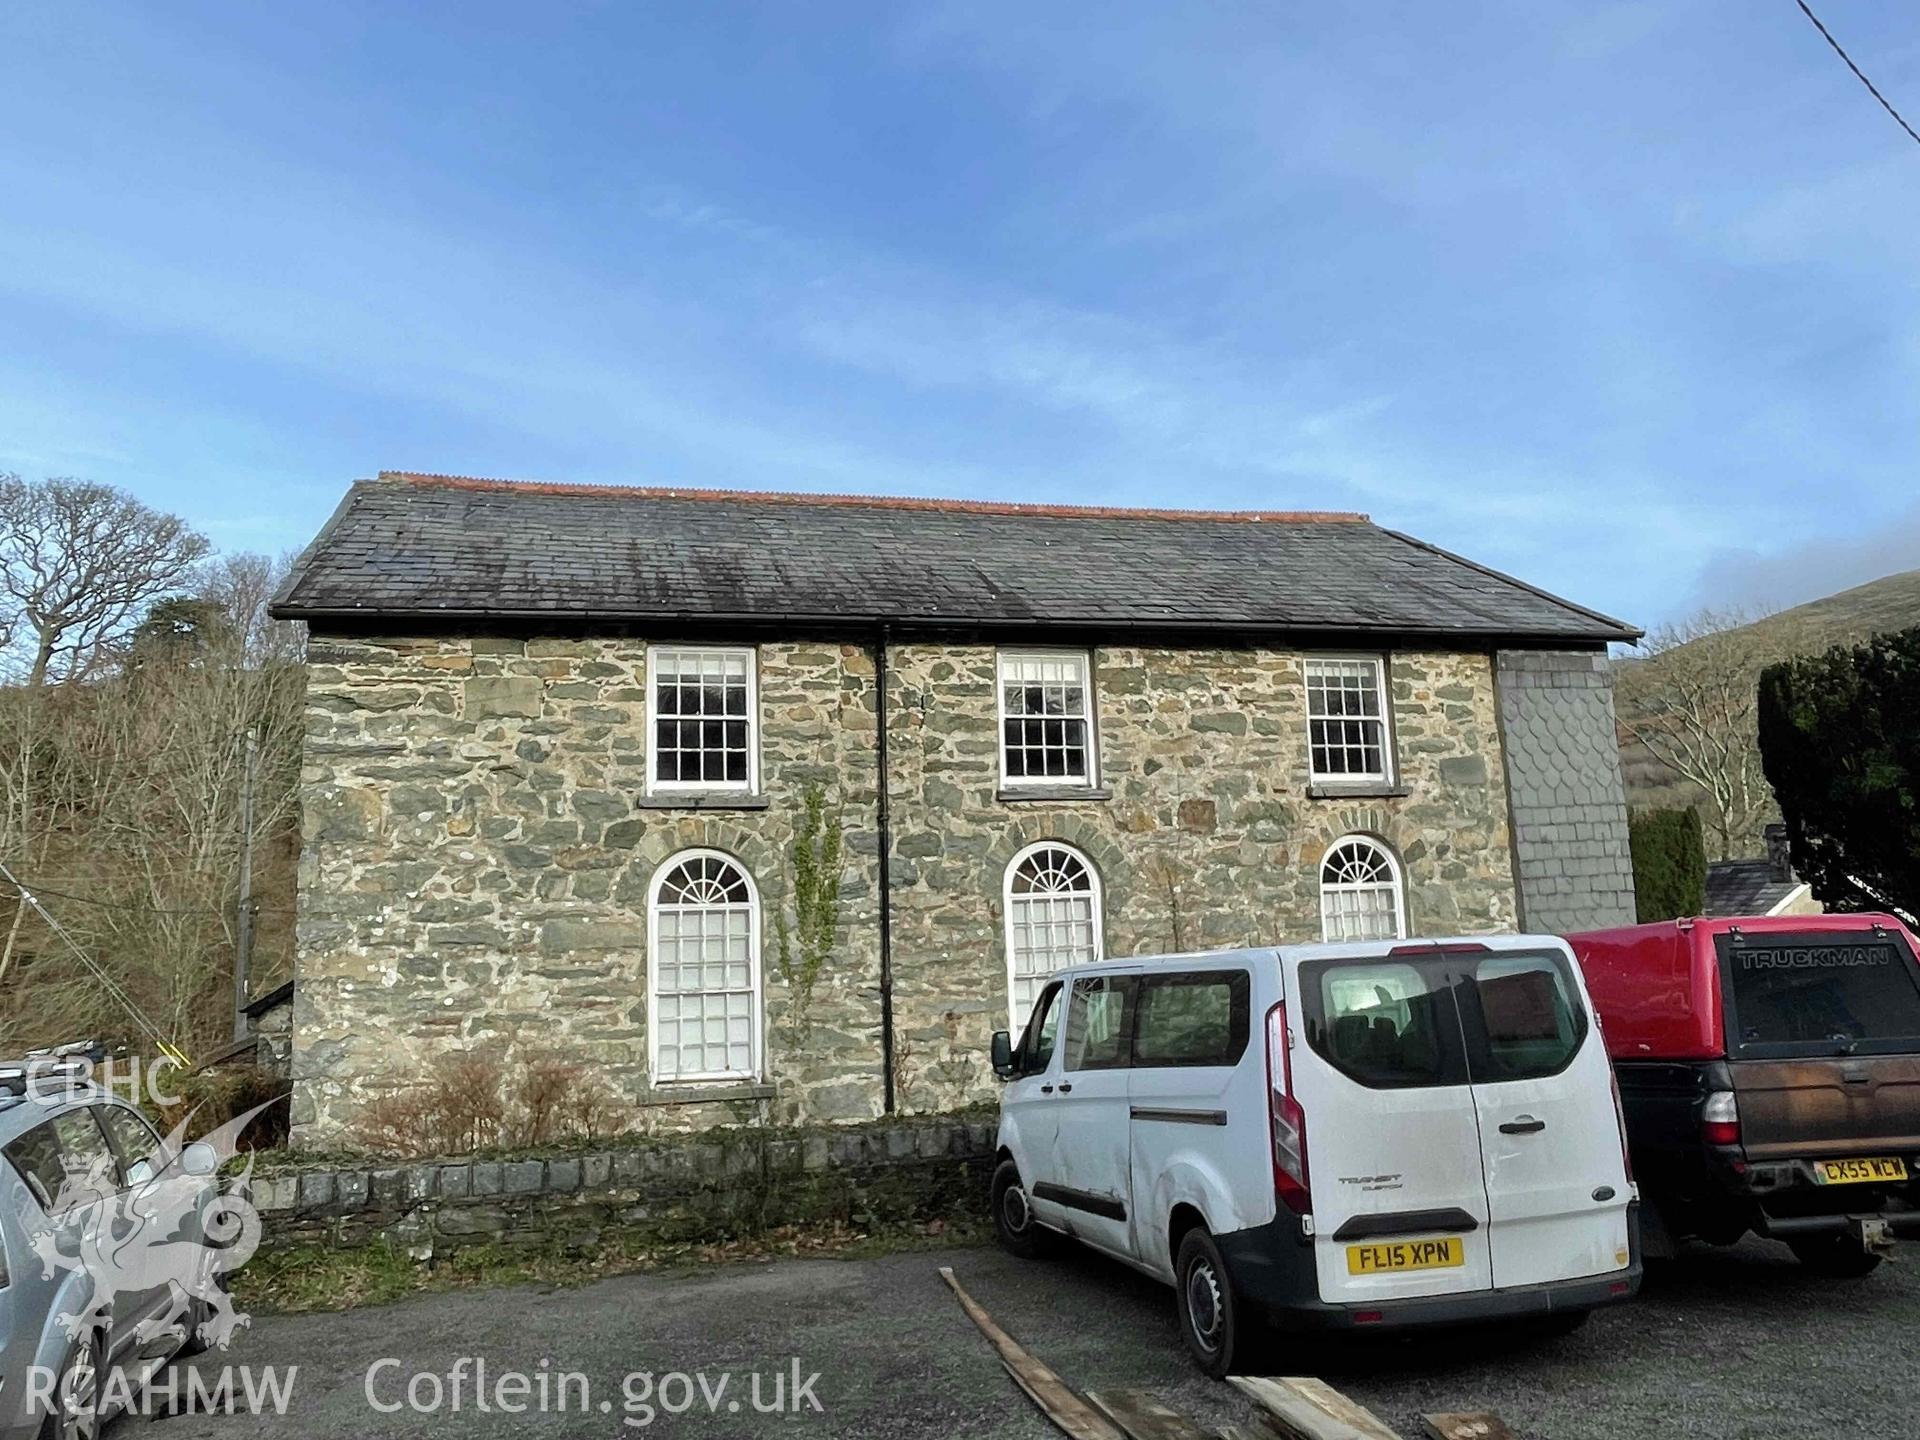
1053	919
1360	892
703	969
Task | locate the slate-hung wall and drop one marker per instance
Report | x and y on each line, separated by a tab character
580	841
1569	800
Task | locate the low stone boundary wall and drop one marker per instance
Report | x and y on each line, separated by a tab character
707	1187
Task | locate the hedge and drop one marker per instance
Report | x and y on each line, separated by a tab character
1840	740
1669	864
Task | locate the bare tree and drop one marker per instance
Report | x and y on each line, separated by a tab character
1689	700
120	804
241	585
79	563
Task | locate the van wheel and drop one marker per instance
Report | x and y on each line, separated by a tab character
1019	1233
1208	1320
74	1408
1838	1257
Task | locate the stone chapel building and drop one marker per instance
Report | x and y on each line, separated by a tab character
561	741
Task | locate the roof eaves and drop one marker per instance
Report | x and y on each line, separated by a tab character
260	1004
928	621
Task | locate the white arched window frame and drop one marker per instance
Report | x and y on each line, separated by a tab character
1363	894
703	970
1054	918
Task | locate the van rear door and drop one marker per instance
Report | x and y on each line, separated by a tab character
1379	1070
1823	1041
1557	1187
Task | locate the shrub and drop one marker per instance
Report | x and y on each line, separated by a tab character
210	1098
559	1101
1840	738
1669	864
456	1109
474	1102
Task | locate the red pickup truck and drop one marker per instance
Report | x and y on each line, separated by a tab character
1769	1073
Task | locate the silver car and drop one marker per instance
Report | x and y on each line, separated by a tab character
85	1317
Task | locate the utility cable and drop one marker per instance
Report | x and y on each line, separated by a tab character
98	971
1859	74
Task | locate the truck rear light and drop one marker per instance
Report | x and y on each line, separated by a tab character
1720	1119
1289	1122
1620	1119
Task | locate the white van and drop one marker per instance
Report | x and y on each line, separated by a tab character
1326	1136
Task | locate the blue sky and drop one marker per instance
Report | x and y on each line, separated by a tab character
1620	297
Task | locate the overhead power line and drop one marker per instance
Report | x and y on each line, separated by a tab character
94	968
1859	74
139	906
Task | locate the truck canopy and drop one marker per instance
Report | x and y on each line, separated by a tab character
1659	988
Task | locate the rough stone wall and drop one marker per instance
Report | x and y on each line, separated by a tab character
671	1190
1209	839
475	868
477	855
1569	802
273	1039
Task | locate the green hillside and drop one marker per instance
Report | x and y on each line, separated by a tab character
1852	615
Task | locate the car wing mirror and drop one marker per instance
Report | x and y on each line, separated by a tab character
200	1159
1002	1054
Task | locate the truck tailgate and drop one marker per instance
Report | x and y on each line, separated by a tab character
1847	1105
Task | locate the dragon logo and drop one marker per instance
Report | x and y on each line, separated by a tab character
176	1229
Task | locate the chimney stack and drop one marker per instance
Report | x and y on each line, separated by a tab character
1779	855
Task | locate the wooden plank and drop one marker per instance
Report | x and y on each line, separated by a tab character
1046	1389
1340	1406
1466	1425
1305	1409
1144	1416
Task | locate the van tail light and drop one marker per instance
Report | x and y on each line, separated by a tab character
1290	1183
1620	1119
1720	1119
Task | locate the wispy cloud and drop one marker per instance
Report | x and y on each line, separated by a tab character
1762	579
1598	298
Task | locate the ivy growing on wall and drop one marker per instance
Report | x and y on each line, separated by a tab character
814	869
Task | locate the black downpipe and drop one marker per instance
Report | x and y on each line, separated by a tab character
885	841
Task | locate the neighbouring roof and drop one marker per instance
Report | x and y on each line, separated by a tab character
281	994
432	546
1747	887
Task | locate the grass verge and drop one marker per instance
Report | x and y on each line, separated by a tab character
307	1278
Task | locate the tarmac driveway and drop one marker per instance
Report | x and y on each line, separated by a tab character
1732	1343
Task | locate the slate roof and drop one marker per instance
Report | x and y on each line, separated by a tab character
1746	887
420	547
261	1004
